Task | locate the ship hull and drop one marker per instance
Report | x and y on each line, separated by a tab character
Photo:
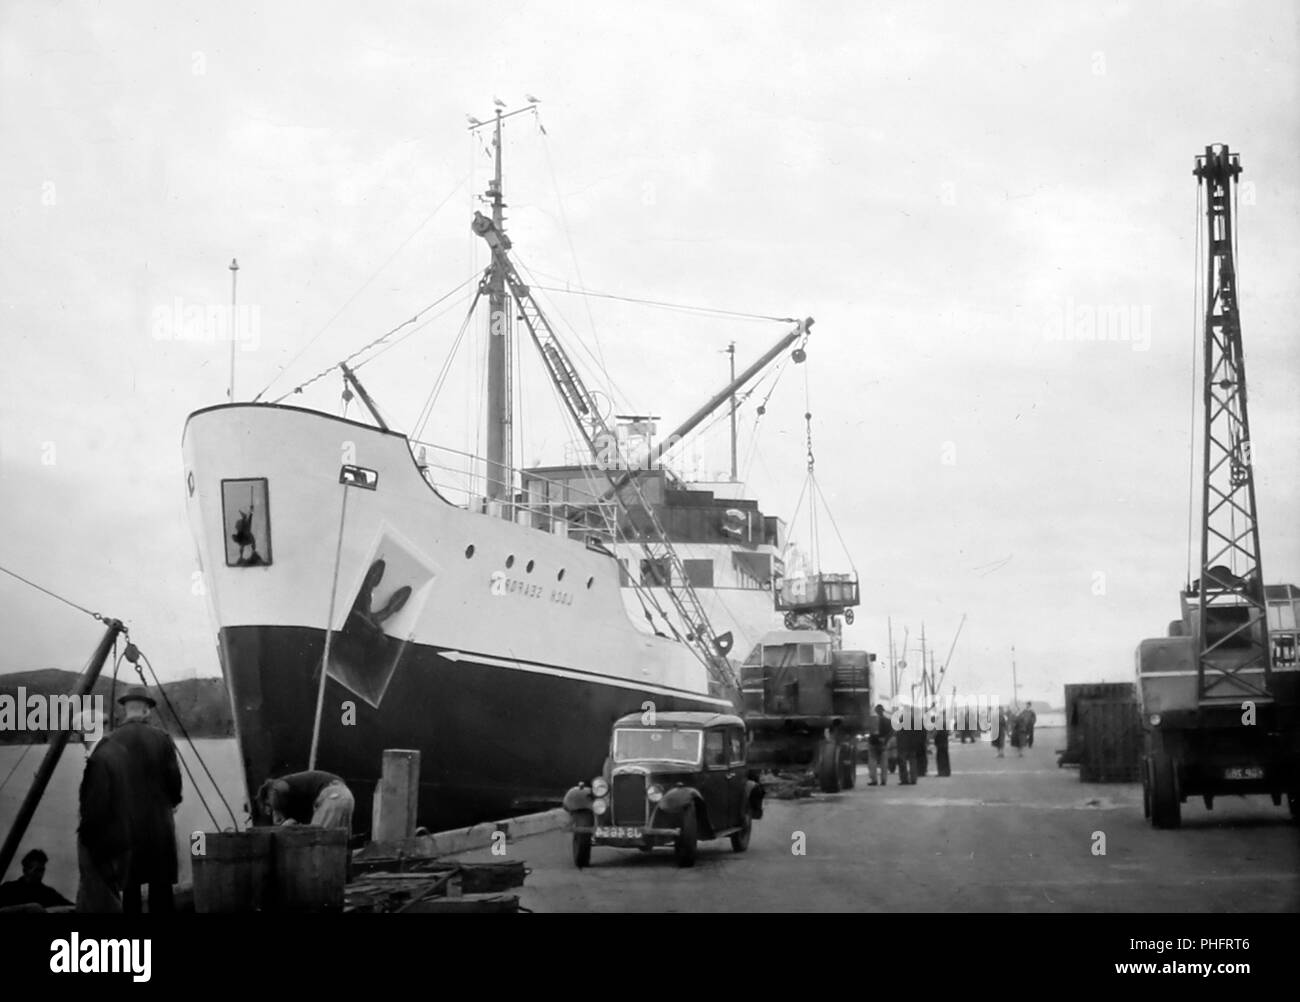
501	651
493	740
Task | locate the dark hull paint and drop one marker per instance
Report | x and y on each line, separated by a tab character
493	741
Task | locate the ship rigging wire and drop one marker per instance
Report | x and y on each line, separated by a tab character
415	330
365	285
366	347
597	359
426	409
665	305
185	734
568	236
760	411
66	601
26	749
157	684
815	493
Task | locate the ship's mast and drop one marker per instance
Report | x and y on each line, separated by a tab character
500	434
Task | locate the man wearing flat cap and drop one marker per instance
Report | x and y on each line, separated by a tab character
139	802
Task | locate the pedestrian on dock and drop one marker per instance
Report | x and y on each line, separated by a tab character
877	747
907	752
147	795
941	762
1000	733
314	798
1030	718
1018	734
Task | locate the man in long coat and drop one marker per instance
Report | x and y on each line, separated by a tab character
104	835
154	785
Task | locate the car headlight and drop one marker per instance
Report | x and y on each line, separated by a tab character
598	805
654	794
599	787
1155	720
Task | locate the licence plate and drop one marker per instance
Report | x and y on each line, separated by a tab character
1244	772
618	831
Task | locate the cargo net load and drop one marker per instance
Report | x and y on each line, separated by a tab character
805	699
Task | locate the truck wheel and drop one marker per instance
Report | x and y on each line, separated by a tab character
687	839
740	840
582	840
1293	804
849	757
828	767
1165	809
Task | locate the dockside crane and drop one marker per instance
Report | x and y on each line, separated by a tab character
586	415
1219	715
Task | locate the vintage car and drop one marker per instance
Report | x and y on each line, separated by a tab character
671	779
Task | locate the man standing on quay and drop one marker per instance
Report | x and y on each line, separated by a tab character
129	793
877	748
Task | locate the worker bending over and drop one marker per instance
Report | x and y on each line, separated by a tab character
315	798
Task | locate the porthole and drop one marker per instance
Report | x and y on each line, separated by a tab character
560	576
529	567
510	560
469	551
590	582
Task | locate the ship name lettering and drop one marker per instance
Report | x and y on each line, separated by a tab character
499	584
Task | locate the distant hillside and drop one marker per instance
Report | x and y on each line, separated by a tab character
202	704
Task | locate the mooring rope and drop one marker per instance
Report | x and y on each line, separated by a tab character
26	749
66	601
190	741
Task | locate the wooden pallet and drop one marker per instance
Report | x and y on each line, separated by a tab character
413	886
466	903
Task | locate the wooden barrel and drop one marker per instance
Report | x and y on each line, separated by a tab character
310	868
233	873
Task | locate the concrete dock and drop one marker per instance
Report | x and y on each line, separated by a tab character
999	835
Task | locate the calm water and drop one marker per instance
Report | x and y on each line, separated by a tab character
54	827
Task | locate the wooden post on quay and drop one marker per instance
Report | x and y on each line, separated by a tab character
397	796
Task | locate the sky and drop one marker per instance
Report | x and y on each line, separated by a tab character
951	190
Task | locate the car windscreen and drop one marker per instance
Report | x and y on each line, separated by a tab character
660	743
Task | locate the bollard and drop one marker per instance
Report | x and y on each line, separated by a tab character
397	796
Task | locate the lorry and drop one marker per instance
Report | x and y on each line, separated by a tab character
804	698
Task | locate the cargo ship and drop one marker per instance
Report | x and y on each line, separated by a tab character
360	604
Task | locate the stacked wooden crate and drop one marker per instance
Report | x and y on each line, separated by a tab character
1073	752
1112	741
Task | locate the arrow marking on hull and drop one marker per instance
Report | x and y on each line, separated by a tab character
621	683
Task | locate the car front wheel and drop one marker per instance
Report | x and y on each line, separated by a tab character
687	839
740	839
582	840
